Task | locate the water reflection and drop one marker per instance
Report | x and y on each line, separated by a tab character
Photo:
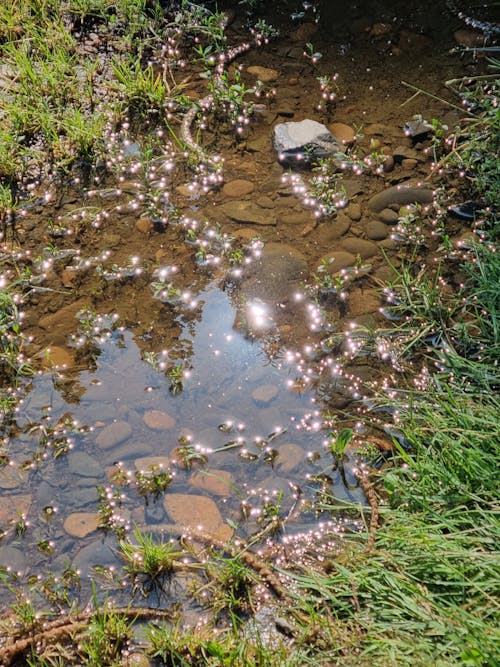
255	444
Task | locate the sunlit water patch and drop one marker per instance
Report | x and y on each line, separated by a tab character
222	442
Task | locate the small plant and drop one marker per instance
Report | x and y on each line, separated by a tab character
149	562
106	639
186	455
176	376
338	441
311	54
329	92
153	481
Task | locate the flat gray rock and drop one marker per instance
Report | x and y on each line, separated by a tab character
303	142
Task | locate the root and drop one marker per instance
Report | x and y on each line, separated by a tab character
69	626
371	496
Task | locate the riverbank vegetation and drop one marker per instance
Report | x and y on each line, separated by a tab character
416	580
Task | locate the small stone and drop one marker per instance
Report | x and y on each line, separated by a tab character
468	38
12	477
264	74
400	195
338	260
113	434
354	212
265	394
376	231
265	202
159	420
237	188
13	506
363	301
247	212
84	465
301	218
361	247
304	32
68	278
14	559
388	164
409	164
81	524
217	482
388	216
194	513
148	462
290	456
343	133
144	225
414	42
57	357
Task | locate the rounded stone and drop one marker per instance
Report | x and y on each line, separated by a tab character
81	524
84	465
265	394
113	434
159	420
13	506
360	247
363	301
217	482
146	462
265	74
343	133
144	225
57	357
376	231
354	212
13	559
401	194
194	513
388	216
237	188
408	164
338	260
290	457
99	552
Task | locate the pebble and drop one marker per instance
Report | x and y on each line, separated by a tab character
468	38
217	482
158	420
12	506
376	231
343	133
340	260
113	434
57	357
84	465
304	32
354	212
99	552
265	394
81	524
14	559
147	462
144	225
290	456
361	247
246	212
388	216
400	194
237	188
264	74
363	301
409	164
190	512
64	318
11	477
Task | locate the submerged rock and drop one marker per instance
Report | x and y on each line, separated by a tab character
401	195
81	524
196	513
302	144
113	434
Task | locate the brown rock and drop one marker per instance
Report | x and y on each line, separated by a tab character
469	38
147	462
63	319
343	133
360	247
363	301
339	260
414	42
194	513
237	188
264	74
11	477
12	506
113	434
376	231
217	482
388	216
68	278
246	212
354	212
401	194
290	457
144	225
304	32
301	218
408	164
158	420
58	357
81	524
265	394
